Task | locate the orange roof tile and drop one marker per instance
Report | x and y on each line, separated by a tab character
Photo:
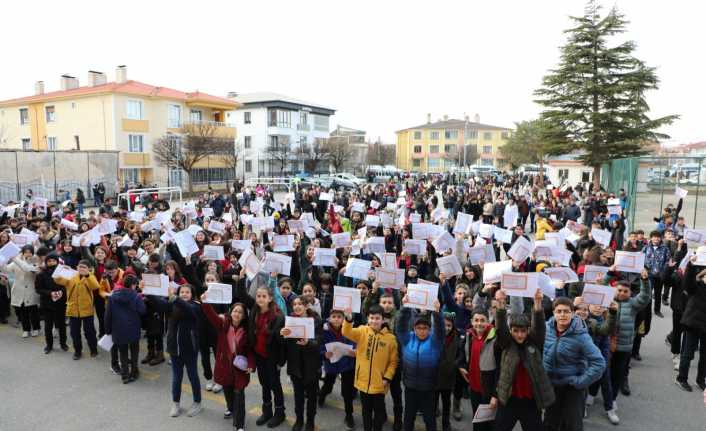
131	87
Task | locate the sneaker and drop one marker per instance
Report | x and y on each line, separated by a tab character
65	347
665	302
613	417
585	412
35	333
589	400
684	386
209	385
94	354
227	415
659	314
77	356
195	409
175	410
701	385
217	388
349	423
115	368
47	350
25	334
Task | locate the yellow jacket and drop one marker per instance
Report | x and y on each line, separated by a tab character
375	358
543	226
79	295
105	289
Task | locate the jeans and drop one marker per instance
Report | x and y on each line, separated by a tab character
128	366
80	209
268	374
347	378
566	414
305	391
477	399
618	371
423	401
518	409
178	364
89	331
604	384
29	317
373	409
54	317
692	338
235	403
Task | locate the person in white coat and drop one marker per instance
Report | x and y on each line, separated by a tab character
23	296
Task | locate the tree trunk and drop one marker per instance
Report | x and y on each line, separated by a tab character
541	173
596	178
191	183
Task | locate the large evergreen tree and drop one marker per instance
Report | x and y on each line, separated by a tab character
597	93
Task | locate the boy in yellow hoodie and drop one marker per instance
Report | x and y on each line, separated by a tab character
375	364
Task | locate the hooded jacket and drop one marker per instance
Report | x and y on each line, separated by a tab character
694	316
627	310
346	363
304	362
122	315
572	358
44	284
420	358
376	357
79	295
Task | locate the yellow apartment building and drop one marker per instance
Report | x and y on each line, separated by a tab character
445	144
124	115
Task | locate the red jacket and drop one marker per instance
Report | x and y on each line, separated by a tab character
225	373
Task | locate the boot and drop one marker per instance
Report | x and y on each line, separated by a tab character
265	416
158	358
277	419
149	357
298	425
134	374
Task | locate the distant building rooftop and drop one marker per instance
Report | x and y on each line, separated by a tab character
269	99
455	124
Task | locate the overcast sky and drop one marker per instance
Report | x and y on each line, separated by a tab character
383	65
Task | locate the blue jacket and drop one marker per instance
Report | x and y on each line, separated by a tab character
122	316
572	359
420	359
656	259
346	363
462	316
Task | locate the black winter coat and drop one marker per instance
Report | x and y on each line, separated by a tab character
44	284
304	362
694	316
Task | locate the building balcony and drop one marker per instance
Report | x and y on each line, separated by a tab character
136	159
140	126
220	129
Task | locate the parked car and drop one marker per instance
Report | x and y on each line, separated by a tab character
350	177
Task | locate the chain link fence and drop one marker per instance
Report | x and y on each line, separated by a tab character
50	174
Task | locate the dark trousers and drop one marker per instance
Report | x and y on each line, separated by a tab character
445	407
533	226
268	374
128	363
178	365
89	331
396	394
346	388
206	348
235	403
518	409
618	371
677	332
4	304
643	317
566	414
416	400
477	399
692	339
305	391
155	343
459	386
54	317
606	390
373	407
28	315
657	283
99	304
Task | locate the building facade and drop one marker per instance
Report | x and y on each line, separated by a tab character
448	143
124	115
270	119
355	140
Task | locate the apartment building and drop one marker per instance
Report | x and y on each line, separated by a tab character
449	143
266	119
355	140
122	115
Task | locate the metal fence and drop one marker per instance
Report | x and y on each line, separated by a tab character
50	174
651	183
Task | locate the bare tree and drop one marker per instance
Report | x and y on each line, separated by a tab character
381	154
339	151
279	149
231	159
315	154
196	142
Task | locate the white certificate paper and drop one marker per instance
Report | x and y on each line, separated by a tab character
345	298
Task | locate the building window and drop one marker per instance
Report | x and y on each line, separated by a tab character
473	134
248	166
505	135
417	135
417	148
247	142
174	116
24	116
135	143
434	163
284	118
195	115
131	175
176	176
487	149
563	174
51	115
450	134
26	144
585	176
448	148
51	143
211	175
304	118
134	109
417	163
321	123
486	162
487	136
433	149
247	119
274	141
434	136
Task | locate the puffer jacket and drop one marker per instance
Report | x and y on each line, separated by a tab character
79	295
376	357
601	329
346	363
572	358
694	316
304	362
530	353
543	226
122	316
420	358
22	292
627	310
656	259
45	285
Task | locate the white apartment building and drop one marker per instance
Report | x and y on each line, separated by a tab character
266	118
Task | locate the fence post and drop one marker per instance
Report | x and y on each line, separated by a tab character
698	187
17	176
88	176
56	192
